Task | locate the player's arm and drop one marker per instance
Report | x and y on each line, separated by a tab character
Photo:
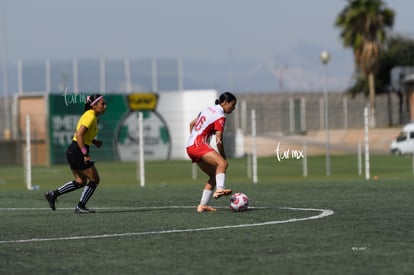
98	143
220	145
79	139
192	123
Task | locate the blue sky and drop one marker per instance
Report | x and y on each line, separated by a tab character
213	30
263	37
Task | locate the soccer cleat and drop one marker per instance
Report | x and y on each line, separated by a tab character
205	208
51	199
83	210
222	192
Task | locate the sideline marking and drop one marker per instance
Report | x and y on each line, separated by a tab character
324	213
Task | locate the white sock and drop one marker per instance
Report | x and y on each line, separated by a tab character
205	198
220	178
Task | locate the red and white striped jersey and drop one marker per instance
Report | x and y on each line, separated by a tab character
209	121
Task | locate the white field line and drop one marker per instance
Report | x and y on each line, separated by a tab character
323	213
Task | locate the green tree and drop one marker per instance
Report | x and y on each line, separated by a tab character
364	25
397	51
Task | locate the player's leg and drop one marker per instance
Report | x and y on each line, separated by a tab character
210	170
77	164
51	196
215	159
93	180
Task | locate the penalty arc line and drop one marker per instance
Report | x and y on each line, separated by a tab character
324	213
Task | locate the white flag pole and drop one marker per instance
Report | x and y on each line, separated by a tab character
28	159
366	123
141	149
254	147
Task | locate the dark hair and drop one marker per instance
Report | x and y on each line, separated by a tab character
226	96
92	100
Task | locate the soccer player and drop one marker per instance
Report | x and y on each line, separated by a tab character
211	122
83	168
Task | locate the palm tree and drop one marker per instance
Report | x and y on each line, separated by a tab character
364	25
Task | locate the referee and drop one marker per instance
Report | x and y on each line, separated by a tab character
83	168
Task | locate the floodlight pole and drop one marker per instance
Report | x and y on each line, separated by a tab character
325	57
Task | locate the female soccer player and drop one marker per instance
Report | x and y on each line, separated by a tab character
83	168
209	122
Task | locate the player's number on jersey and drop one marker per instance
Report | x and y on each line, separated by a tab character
200	123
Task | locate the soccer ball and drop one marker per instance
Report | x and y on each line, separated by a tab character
239	202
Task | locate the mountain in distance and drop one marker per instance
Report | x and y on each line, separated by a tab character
296	70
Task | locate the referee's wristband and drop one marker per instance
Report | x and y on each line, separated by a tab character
84	151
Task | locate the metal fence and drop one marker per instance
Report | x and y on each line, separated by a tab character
283	114
298	113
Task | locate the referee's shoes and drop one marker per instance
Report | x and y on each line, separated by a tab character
83	210
51	199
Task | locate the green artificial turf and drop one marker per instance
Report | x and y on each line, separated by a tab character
341	224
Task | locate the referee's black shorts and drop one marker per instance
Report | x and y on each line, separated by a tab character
75	157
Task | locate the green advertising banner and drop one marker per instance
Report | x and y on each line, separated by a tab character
118	129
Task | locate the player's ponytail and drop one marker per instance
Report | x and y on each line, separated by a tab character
226	96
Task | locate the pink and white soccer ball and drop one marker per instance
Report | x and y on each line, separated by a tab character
239	202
